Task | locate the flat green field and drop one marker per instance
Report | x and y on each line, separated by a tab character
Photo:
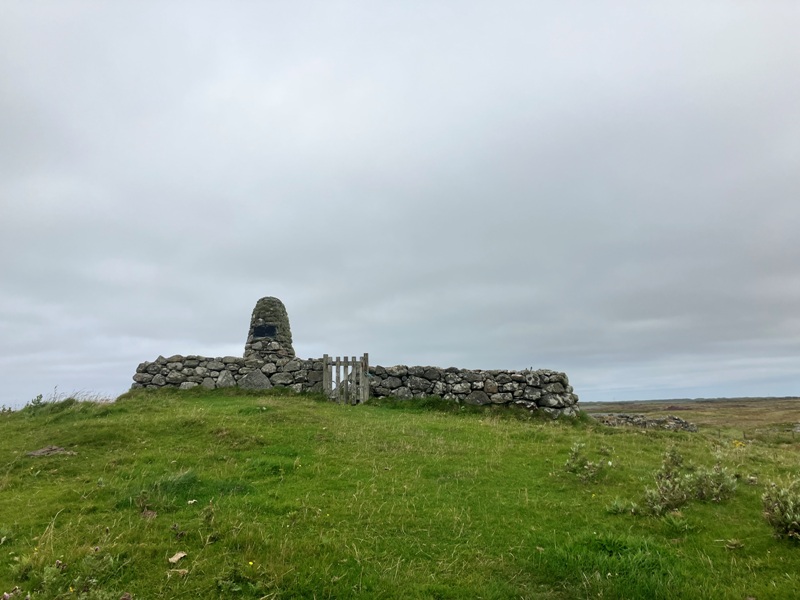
244	495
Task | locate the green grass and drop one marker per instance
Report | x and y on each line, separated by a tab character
274	495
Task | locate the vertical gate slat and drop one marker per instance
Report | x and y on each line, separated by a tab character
338	379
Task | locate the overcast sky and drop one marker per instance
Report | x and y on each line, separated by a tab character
609	189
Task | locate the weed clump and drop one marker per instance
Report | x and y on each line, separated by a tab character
782	509
579	464
676	485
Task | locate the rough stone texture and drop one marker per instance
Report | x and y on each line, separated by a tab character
225	379
255	380
269	360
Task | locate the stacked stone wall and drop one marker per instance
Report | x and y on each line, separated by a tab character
541	389
187	372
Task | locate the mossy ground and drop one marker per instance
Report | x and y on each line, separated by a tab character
283	496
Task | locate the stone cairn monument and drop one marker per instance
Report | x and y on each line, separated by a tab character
269	360
270	337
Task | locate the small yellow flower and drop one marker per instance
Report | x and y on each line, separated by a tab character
250	563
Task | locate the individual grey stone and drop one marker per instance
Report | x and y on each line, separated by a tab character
159	380
255	380
230	360
200	371
153	368
208	383
292	365
432	374
142	378
460	388
438	388
175	366
451	377
416	371
174	358
551	401
532	378
501	398
282	379
397	370
225	380
402	393
216	365
191	362
503	378
554	388
392	383
472	376
269	368
187	385
418	384
477	397
530	405
296	387
532	393
174	377
490	386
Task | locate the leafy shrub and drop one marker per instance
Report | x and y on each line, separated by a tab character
782	509
578	464
715	484
675	486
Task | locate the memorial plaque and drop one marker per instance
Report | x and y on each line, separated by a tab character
265	331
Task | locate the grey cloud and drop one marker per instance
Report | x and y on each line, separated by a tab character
609	191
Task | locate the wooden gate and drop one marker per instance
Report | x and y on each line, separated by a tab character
352	379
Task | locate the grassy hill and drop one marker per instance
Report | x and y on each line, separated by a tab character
232	495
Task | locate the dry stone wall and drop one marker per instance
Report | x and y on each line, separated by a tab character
187	372
541	389
269	361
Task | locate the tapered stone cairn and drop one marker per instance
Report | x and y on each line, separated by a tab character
270	338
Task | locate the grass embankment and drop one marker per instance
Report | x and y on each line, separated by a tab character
276	496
